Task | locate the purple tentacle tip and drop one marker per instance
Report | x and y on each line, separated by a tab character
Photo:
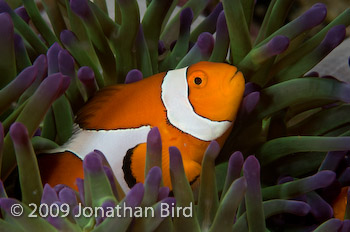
59	187
236	161
334	37
4	7
92	162
133	76
154	142
67	195
19	133
51	85
205	43
65	63
6	23
324	178
135	195
217	10
86	75
154	176
22	12
277	45
49	195
251	168
41	64
102	157
52	58
108	203
170	201
298	207
250	101
314	16
25	78
153	135
221	25
213	149
175	159
251	87
81	8
163	193
54	50
67	37
186	17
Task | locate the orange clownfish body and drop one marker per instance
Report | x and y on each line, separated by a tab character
190	106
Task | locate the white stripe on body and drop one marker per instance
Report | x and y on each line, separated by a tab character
180	112
113	143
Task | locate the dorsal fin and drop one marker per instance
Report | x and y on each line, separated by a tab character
124	106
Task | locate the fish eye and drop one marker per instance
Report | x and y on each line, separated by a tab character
198	80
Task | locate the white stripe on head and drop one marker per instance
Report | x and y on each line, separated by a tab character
180	112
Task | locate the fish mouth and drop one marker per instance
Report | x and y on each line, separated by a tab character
232	82
234	75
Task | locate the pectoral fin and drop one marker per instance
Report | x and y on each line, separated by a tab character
134	167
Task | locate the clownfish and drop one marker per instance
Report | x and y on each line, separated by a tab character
190	106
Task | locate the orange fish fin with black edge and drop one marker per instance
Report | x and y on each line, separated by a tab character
134	165
136	160
60	168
